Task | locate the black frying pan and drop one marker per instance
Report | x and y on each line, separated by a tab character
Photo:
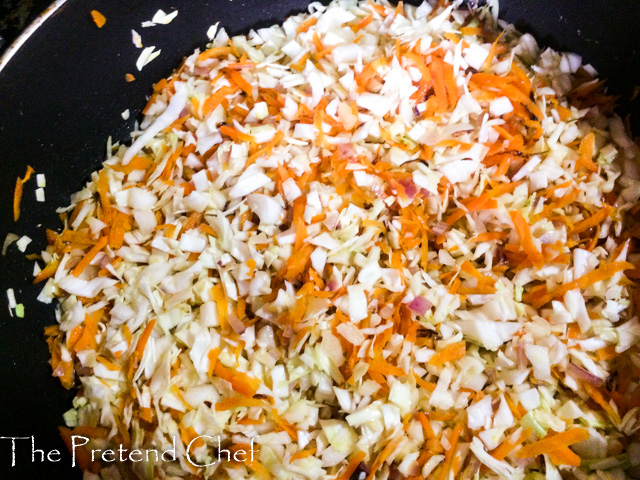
61	96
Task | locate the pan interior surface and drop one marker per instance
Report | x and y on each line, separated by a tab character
62	94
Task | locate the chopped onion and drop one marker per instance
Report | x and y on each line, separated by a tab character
420	305
583	374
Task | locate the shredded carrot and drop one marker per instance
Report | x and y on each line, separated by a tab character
267	149
240	382
492	53
87	337
488	236
215	52
596	219
471	30
586	152
450	83
237	79
192	221
121	224
91	254
378	8
17	195
103	192
306	25
469	269
47	272
551	191
239	401
188	435
144	338
607	353
222	304
553	442
448	455
303	454
212	102
98	18
235	134
508	446
522	227
301	63
598	397
603	273
380	365
450	353
383	455
109	365
212	356
298	261
428	386
367	73
284	425
439	86
129	78
564	456
426	425
354	461
136	163
362	23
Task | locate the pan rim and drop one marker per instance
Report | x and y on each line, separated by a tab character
8	54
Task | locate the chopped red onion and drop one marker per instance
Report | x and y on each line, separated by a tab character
236	324
202	71
410	188
420	305
347	150
583	374
522	356
440	228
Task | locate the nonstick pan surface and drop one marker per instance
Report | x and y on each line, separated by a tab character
61	95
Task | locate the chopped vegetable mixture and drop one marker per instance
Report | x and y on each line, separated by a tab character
381	241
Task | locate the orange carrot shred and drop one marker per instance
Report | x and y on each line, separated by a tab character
592	221
362	23
351	467
604	272
91	254
586	152
448	455
564	456
222	304
238	401
382	456
144	338
306	25
439	86
240	382
46	272
98	18
303	454
553	442
450	353
522	227
216	99
508	446
17	196
492	53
